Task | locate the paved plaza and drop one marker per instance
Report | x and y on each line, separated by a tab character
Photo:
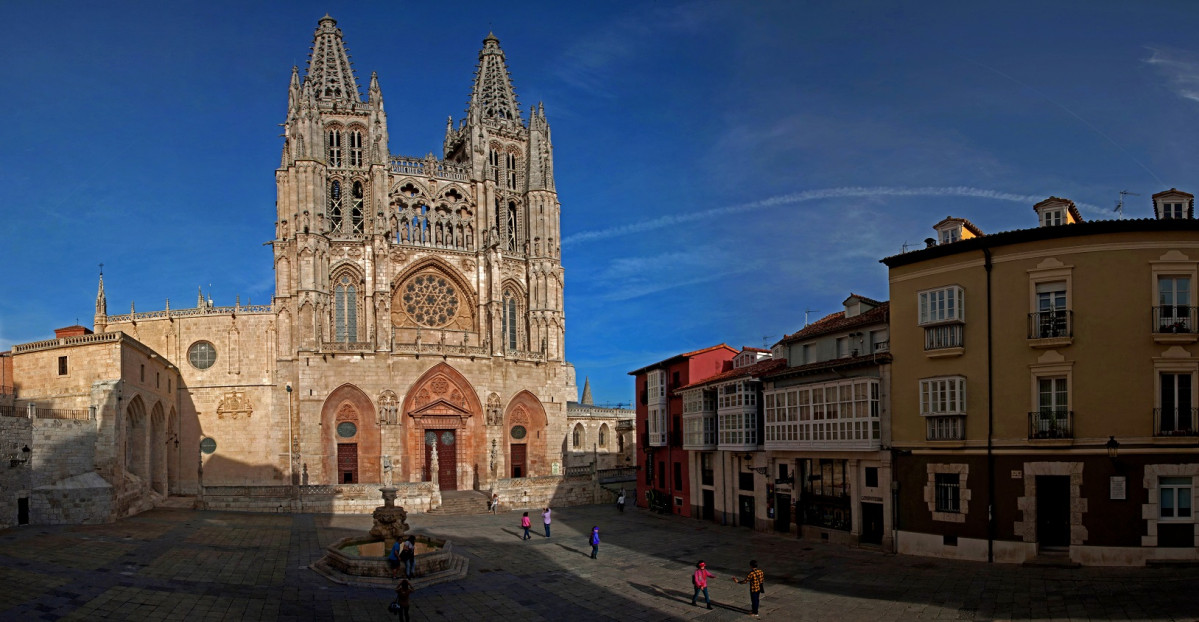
171	564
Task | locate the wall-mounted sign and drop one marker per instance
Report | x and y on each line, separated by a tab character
1017	474
1119	488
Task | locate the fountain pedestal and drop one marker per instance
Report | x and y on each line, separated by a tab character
389	519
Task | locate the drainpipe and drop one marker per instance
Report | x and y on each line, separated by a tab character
990	418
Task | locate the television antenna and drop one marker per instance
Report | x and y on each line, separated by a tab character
766	341
805	316
1120	202
905	246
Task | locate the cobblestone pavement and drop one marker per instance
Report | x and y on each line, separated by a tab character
189	565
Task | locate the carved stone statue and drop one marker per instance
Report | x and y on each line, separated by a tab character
387	470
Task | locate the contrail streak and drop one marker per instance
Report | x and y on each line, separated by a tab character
800	197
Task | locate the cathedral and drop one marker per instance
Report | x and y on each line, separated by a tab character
416	332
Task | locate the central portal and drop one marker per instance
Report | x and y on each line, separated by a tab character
444	443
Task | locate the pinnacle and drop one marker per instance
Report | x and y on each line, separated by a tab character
330	71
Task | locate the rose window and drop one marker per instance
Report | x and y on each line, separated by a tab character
430	300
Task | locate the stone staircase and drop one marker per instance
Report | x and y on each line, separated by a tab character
461	502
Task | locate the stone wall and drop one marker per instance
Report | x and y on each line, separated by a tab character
344	499
534	493
82	499
15	482
63	448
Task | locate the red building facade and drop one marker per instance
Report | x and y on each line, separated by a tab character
662	472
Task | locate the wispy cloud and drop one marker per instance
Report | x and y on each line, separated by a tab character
804	196
1180	68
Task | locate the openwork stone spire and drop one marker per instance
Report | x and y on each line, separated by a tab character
101	300
330	74
493	96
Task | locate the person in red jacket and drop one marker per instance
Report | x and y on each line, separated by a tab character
700	581
524	522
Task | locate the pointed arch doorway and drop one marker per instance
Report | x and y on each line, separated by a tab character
442	406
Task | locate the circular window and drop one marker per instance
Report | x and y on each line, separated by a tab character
430	438
208	445
346	429
430	300
447	438
518	432
201	355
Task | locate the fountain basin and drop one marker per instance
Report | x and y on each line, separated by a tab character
362	559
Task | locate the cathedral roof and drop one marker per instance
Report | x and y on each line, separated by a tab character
493	96
330	74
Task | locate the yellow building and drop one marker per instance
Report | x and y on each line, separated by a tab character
1043	389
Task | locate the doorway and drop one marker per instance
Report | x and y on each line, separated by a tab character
1053	510
745	514
445	442
347	463
782	513
872	523
23	510
709	509
519	453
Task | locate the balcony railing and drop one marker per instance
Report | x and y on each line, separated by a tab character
943	336
1051	324
1178	421
1174	319
1051	423
949	428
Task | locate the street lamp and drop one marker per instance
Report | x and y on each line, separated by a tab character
1113	447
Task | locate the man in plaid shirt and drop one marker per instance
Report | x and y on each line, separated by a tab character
757	584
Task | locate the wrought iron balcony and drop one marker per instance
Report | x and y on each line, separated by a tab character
947	428
1051	324
1170	319
1177	421
942	336
1051	423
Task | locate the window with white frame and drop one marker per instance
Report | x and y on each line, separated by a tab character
1052	217
950	235
1174	494
655	382
1174	304
1176	414
1172	211
657	425
943	404
1051	311
941	314
842	347
843	410
943	396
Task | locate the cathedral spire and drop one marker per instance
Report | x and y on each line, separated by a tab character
493	97
101	300
329	70
586	399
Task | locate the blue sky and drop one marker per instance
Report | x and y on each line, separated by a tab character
722	166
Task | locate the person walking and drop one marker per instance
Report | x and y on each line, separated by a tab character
495	502
393	558
700	581
545	518
757	584
403	599
408	556
524	522
594	541
620	501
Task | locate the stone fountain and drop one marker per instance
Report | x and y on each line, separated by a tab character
362	560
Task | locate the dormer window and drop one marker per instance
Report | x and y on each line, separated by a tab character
1052	217
1172	211
955	229
951	235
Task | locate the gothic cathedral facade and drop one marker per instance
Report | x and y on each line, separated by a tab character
417	326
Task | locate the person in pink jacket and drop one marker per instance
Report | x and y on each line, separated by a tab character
700	581
524	522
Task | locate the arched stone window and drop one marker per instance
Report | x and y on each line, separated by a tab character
356	148
334	142
512	226
345	309
335	206
603	435
577	436
356	207
509	320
